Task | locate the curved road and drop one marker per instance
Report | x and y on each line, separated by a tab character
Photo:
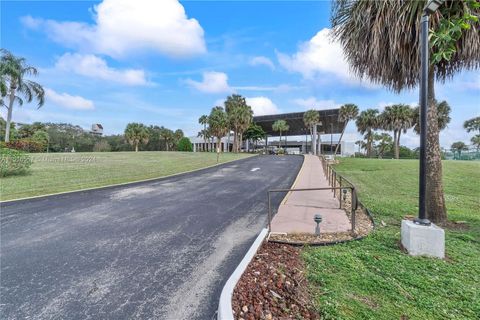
155	250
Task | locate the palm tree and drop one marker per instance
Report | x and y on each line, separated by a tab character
243	119
280	126
136	133
397	118
443	116
311	118
15	86
347	113
218	125
472	124
361	145
381	42
384	143
458	146
366	122
476	141
235	107
203	120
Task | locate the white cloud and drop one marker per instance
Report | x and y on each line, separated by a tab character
262	106
313	103
128	26
261	60
91	66
321	56
212	82
68	101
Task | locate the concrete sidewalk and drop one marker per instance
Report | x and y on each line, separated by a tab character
296	212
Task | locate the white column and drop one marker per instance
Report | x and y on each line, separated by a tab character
314	141
319	144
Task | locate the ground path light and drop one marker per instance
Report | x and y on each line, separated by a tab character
317	218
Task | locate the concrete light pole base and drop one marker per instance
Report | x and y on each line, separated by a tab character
422	240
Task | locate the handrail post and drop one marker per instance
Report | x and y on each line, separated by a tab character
354	205
334	184
340	193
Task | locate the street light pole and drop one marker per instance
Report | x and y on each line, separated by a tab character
430	8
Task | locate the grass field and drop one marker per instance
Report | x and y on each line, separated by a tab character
373	278
58	172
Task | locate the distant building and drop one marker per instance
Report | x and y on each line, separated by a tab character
97	129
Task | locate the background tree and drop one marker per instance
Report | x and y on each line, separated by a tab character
14	71
310	119
381	42
3	126
184	144
458	147
280	126
254	133
366	122
102	146
476	142
203	120
245	116
136	133
384	143
41	136
239	117
347	113
218	123
472	124
443	116
361	145
397	118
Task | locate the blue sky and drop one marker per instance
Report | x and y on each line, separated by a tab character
167	63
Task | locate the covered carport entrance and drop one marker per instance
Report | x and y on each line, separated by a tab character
328	124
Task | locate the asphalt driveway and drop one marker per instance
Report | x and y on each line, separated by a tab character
155	250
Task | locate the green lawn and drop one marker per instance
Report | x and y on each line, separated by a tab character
58	172
373	279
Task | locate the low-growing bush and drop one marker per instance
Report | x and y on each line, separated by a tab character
184	144
13	162
27	145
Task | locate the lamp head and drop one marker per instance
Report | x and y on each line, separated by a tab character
317	218
432	6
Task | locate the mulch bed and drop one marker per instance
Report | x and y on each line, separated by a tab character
273	286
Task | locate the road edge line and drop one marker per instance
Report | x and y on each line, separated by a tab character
225	311
124	183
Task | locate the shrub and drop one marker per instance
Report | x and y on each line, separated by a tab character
26	145
101	146
13	162
184	144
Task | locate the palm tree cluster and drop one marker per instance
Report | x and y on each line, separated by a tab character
239	119
15	87
397	118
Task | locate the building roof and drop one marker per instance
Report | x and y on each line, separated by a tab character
328	118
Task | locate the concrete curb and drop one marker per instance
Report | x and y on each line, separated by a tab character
225	311
124	183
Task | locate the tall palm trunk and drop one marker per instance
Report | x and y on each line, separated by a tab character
397	145
218	147
9	112
341	136
136	147
369	144
436	209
